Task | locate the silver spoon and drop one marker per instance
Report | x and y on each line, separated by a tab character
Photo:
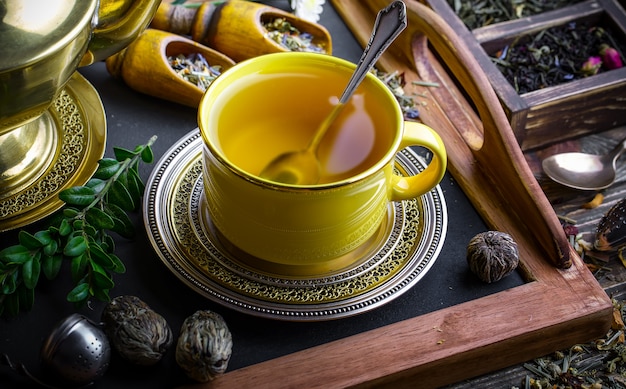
302	167
584	171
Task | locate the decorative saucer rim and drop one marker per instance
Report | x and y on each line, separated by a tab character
181	166
78	111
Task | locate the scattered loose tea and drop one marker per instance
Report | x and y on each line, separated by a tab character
481	13
285	34
597	364
195	69
554	56
395	82
138	334
492	255
204	346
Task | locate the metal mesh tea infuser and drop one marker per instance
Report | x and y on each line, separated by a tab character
76	353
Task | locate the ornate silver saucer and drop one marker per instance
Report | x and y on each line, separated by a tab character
395	259
76	124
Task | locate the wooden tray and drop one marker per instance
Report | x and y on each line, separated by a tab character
561	304
560	112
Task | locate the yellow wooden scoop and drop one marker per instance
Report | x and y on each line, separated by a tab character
144	66
235	28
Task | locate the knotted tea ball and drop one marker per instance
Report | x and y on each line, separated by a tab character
492	255
204	346
139	334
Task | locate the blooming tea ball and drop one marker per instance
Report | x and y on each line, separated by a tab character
139	334
204	346
492	255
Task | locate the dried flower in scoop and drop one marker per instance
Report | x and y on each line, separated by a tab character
195	69
139	334
285	34
492	255
204	346
611	230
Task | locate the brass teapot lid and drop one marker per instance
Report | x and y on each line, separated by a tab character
32	29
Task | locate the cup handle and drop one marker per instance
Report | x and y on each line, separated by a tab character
418	134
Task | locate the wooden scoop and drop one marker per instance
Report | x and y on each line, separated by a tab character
234	28
144	66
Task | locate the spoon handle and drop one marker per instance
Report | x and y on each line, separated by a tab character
389	23
617	151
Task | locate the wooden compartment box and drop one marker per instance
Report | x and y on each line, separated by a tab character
559	112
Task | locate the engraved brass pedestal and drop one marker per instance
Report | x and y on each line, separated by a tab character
52	123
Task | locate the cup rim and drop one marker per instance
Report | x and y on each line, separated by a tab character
217	84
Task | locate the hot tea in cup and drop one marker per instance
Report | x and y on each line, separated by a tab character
273	104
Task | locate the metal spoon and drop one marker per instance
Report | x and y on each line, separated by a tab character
584	171
302	167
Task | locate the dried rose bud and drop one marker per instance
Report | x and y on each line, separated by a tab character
570	230
492	255
610	57
591	66
204	346
137	333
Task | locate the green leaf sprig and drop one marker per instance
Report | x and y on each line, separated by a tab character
80	234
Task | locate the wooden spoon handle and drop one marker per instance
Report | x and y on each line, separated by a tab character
234	28
182	20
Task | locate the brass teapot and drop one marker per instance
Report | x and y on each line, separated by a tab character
42	45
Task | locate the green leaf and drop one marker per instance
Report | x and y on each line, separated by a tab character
45	237
65	228
75	246
101	294
96	184
78	224
108	244
70	213
123	225
90	230
80	196
100	257
147	155
123	179
107	167
122	154
79	293
30	271
101	280
51	265
51	248
135	185
118	265
29	241
78	266
10	283
17	254
119	195
99	219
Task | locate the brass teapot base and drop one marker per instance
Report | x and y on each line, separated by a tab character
56	151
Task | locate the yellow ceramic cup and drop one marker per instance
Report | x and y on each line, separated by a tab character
272	104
